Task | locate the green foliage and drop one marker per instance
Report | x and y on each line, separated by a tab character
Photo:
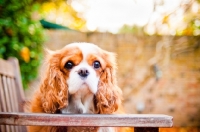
21	36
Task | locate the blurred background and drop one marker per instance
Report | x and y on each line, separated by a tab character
157	42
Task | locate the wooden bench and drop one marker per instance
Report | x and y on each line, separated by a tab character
14	119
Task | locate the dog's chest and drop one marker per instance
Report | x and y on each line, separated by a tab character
83	94
80	102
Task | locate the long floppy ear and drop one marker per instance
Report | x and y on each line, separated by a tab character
53	89
108	96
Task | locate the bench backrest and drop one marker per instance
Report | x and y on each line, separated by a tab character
11	91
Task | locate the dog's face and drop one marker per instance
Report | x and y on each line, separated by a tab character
86	73
84	64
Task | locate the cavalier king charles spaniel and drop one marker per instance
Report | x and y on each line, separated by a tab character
79	78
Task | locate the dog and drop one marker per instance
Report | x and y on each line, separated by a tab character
80	78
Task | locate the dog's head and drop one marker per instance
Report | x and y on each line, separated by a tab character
76	66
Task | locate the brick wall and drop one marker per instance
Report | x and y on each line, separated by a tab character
158	74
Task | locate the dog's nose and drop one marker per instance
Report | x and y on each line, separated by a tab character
83	72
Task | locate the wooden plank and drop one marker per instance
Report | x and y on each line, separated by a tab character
11	94
2	127
41	119
18	83
6	93
146	129
2	96
10	97
7	100
14	95
14	91
6	68
2	103
13	101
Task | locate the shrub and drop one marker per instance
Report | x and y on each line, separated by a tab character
21	37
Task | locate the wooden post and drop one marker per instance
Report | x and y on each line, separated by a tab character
146	129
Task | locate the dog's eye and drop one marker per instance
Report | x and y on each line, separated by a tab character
96	64
69	65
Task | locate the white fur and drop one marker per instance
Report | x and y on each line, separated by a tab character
75	82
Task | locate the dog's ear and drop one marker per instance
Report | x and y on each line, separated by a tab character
108	96
53	89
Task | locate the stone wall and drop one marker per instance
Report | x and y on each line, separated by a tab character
158	74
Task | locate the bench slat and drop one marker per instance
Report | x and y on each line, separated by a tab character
6	68
134	120
2	96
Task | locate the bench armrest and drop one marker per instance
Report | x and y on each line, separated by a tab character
125	120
